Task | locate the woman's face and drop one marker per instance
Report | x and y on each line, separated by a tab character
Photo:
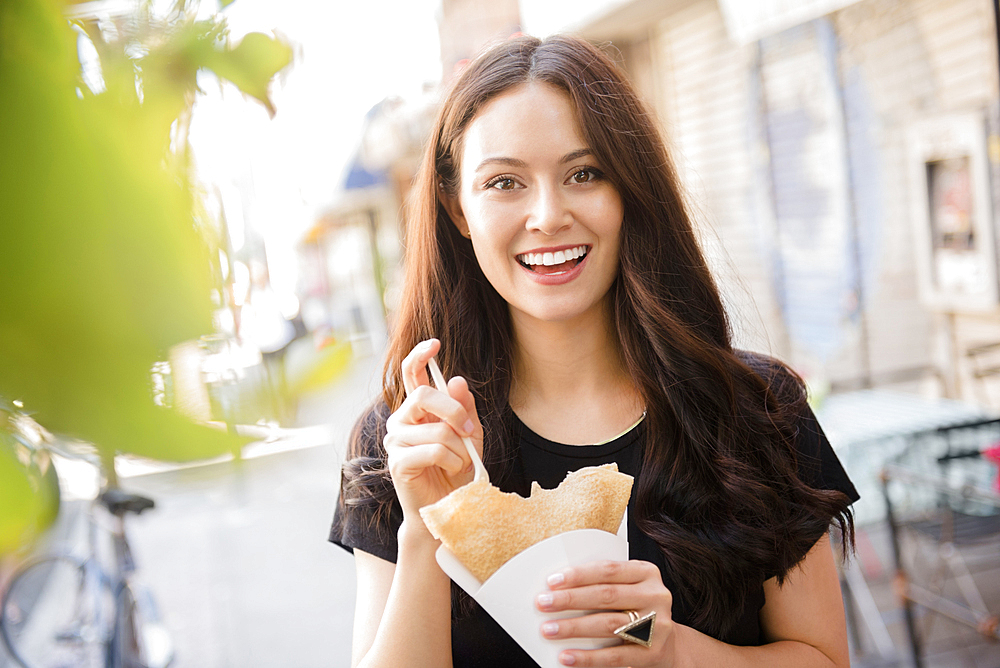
543	219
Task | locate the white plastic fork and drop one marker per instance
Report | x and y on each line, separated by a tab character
442	385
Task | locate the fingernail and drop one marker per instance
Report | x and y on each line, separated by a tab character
545	600
550	628
567	659
469	427
555	579
425	346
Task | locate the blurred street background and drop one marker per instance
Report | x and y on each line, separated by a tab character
842	163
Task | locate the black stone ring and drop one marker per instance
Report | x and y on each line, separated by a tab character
638	630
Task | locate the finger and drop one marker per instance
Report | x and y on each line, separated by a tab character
408	436
620	655
408	463
604	571
427	404
592	597
414	365
597	625
458	389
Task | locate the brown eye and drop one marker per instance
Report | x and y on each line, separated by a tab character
583	176
502	183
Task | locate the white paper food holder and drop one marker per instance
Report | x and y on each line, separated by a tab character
509	594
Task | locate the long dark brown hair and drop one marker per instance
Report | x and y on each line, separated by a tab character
718	490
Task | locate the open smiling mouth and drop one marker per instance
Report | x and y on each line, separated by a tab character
554	263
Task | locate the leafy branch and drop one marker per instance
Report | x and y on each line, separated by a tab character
103	268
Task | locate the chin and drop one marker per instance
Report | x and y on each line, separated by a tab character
556	313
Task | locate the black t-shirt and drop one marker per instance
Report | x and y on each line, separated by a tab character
479	642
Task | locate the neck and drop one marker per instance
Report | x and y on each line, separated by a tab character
570	383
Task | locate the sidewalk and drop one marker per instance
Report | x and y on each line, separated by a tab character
236	552
236	555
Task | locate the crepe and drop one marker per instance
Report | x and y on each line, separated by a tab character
484	527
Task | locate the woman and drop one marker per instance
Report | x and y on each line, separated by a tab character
552	270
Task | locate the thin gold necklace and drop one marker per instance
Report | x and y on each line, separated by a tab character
634	425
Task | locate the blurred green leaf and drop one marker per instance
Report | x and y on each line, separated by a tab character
19	501
29	492
103	268
251	65
169	71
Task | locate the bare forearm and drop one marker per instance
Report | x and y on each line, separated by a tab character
697	650
415	629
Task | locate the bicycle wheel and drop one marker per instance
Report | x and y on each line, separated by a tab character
58	612
126	643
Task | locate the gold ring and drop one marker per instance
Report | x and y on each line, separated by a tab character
639	629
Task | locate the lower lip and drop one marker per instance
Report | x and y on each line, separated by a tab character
556	279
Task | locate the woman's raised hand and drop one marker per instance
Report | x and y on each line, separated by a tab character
427	458
614	586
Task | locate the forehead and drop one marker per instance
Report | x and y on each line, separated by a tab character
530	121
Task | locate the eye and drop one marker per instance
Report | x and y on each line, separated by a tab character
502	183
585	175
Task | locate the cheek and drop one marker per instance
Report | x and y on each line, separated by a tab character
493	226
490	256
610	215
491	216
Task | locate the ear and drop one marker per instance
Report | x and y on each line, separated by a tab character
454	209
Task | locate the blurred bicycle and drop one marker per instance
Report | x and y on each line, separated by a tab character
81	608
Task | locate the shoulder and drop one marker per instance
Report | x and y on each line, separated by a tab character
783	383
364	474
368	513
787	405
816	461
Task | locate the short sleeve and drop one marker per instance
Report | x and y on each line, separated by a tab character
818	465
368	514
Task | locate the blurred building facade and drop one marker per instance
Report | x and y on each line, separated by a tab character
842	160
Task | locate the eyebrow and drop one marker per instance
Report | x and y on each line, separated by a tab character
515	162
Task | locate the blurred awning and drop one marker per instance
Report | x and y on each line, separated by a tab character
359	177
750	20
595	19
746	20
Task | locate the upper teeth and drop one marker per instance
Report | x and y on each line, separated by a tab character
549	259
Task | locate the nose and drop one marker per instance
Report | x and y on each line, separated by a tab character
549	212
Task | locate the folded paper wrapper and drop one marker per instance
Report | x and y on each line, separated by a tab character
509	594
